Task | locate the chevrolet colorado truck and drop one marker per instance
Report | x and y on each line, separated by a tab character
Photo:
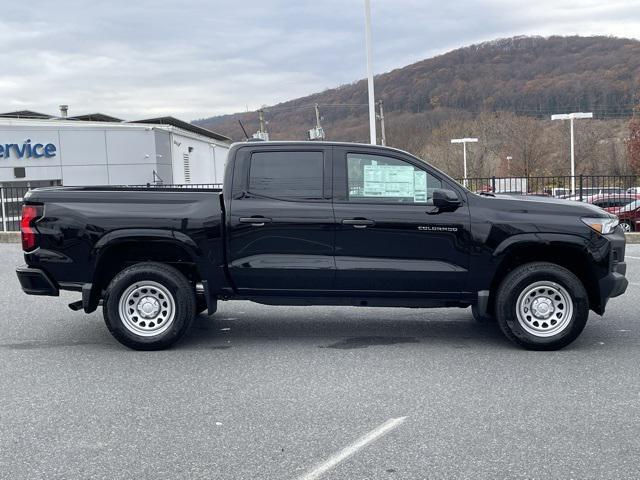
322	223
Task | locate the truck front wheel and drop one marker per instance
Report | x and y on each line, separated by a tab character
149	306
542	306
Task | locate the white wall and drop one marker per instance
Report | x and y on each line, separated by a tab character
206	159
111	154
36	168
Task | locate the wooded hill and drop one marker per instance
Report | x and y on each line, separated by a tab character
522	76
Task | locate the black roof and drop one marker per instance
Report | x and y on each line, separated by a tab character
174	122
95	117
25	114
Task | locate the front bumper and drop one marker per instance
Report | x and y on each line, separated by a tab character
35	282
615	283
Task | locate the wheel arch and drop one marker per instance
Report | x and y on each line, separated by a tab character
119	249
568	251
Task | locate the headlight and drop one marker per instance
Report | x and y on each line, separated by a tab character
602	225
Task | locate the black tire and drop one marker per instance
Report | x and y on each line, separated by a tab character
531	277
177	290
481	318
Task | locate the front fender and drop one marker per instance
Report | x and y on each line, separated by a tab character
539	239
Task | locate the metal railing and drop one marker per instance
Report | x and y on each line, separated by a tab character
197	186
11	207
586	186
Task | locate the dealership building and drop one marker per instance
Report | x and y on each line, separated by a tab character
41	150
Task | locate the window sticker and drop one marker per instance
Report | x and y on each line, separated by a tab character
420	186
389	181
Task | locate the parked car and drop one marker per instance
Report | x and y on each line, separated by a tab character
630	217
634	190
588	192
320	223
612	203
559	192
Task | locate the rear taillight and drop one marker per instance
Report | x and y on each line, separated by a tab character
30	213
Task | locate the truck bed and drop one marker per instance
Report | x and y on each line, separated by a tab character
81	224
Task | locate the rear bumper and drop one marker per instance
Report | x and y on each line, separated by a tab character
35	282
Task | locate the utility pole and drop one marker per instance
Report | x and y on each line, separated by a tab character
372	105
317	133
381	117
464	142
317	116
571	117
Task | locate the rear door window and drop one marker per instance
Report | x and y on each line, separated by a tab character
289	175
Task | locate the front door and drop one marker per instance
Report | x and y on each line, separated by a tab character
389	236
281	224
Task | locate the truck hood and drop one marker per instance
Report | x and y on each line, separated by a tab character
553	205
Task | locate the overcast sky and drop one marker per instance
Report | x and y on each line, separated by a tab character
195	59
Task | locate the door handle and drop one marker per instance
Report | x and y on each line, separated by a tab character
255	221
358	222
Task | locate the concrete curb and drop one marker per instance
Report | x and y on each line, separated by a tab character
9	237
14	237
633	237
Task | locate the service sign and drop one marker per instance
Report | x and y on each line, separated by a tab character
27	150
29	147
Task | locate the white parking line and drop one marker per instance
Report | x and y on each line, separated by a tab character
634	258
346	452
635	284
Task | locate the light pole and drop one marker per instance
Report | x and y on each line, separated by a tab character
383	139
464	142
509	158
571	117
367	39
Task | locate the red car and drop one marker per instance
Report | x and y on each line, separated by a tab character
612	202
630	217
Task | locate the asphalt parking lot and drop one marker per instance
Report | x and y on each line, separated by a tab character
259	392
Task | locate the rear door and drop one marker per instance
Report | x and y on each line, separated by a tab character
281	224
390	238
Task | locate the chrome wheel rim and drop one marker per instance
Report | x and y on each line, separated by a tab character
626	226
544	309
147	308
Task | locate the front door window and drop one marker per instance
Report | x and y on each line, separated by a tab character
380	179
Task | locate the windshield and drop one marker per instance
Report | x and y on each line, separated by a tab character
632	206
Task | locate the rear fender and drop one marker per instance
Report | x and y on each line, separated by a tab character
91	292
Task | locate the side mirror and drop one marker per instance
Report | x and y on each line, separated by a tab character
445	199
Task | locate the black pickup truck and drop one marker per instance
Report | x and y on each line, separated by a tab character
309	223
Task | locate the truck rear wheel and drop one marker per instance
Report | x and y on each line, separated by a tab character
542	306
149	306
